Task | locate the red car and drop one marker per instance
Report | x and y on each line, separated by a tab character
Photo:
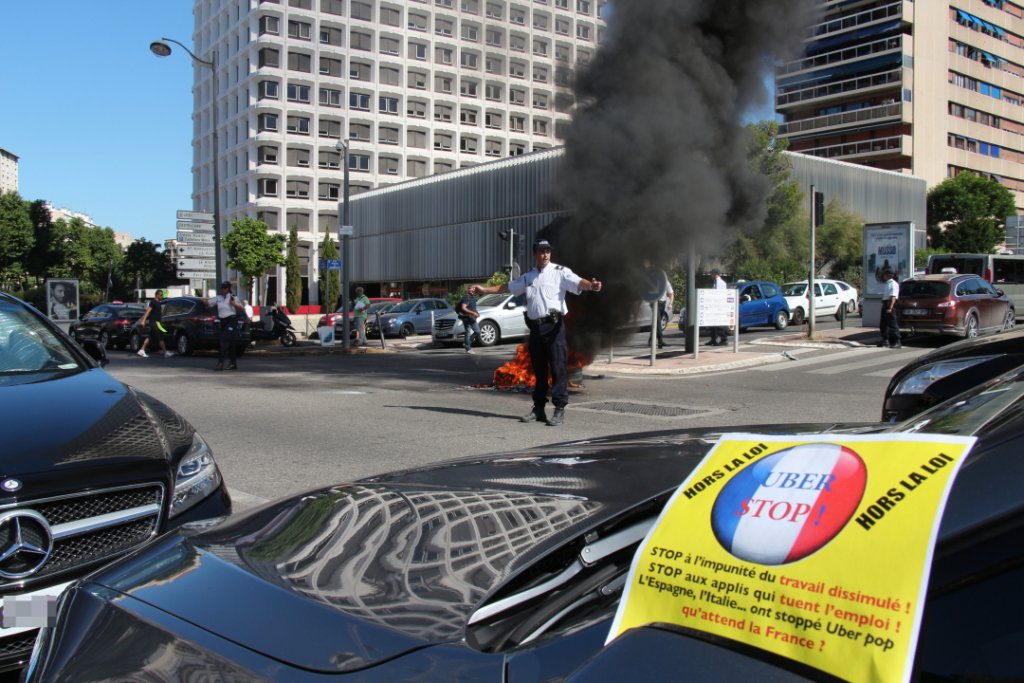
962	305
338	321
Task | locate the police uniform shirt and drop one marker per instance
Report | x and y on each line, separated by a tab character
892	290
720	283
224	307
545	289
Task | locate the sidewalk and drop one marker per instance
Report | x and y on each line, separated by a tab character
674	361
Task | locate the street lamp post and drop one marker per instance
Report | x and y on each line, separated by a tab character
342	147
161	49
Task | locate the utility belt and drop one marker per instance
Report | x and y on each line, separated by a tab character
554	317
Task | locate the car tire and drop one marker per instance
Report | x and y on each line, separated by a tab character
104	339
1011	320
183	345
851	307
135	342
971	326
406	330
314	335
781	320
490	333
797	317
288	338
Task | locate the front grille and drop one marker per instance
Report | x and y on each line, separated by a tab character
90	528
444	324
19	645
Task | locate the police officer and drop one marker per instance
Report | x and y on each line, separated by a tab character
227	306
545	287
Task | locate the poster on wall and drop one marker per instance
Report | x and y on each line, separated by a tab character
62	300
887	246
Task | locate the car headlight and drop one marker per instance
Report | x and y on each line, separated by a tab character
922	378
390	323
197	476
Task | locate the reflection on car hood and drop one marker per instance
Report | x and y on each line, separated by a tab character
85	417
399	561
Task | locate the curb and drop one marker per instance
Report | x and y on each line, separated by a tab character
703	369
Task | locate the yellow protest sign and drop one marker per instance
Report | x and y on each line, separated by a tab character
816	549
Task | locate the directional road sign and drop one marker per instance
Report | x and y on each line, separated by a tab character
196	274
200	216
195	227
196	237
197	264
193	251
345	230
330	264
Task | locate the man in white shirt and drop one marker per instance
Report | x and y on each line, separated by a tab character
719	334
889	326
545	287
227	307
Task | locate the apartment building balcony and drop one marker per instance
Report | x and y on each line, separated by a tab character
891	45
902	10
860	118
815	95
865	150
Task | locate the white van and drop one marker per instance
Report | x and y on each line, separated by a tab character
1004	271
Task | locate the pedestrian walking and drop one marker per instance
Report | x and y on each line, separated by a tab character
468	315
719	333
545	287
227	308
889	326
360	304
154	316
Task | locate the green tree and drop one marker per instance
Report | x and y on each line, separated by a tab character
16	239
40	257
839	242
145	265
967	213
330	280
251	249
292	272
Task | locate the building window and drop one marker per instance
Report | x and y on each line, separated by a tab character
517	43
493	120
417	80
298	157
516	149
443	27
331	36
469	87
359	162
361	41
298	93
417	21
517	16
494	10
540	100
494	65
442	141
471	6
540	127
388	105
468	116
494	37
493	92
540	74
540	47
415	168
359	131
330	97
470	60
358	71
469	144
300	30
390	75
330	67
387	165
388	46
266	154
329	191
266	187
300	62
517	124
418	51
416	109
327	222
442	112
329	128
470	33
269	58
329	159
493	148
443	166
583	31
563	52
386	135
301	4
442	84
298	125
297	189
336	7
359	101
362	10
443	55
270	26
516	96
390	16
269	217
269	90
416	138
267	122
540	21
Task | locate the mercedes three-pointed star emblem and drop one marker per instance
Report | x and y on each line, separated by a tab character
25	543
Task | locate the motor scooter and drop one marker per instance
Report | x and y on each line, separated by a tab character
280	327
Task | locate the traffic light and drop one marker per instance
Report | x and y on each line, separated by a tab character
819	209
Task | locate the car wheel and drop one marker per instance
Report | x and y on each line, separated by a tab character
664	321
183	345
489	333
851	307
314	335
1011	320
288	338
135	342
971	326
781	320
104	339
406	330
797	317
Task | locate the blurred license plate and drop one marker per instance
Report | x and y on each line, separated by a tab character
916	311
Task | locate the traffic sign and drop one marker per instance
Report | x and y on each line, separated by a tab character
195	227
654	285
196	274
200	216
197	264
330	264
345	231
192	251
196	237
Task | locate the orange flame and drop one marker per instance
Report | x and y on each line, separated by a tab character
518	372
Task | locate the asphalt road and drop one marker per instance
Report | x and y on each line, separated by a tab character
284	424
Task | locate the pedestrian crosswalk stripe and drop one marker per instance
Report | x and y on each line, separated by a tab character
860	352
899	358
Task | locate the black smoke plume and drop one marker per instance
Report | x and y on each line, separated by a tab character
656	155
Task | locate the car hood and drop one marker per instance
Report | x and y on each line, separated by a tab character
86	418
397	562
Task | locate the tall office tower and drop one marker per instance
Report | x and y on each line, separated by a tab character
415	87
8	171
929	88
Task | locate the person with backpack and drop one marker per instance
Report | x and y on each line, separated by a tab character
468	315
154	314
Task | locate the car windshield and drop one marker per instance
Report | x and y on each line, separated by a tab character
925	289
405	306
380	307
973	411
29	348
794	289
491	300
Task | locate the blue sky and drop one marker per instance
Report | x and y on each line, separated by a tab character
100	124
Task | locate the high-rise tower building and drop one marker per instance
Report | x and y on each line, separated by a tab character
415	87
928	88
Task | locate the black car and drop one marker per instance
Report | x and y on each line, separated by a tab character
191	324
91	468
499	568
109	324
949	370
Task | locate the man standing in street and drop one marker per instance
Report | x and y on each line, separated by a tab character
154	314
664	303
889	326
719	334
468	315
545	287
359	305
227	307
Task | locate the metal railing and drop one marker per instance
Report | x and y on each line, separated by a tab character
846	118
844	55
850	149
885	78
858	19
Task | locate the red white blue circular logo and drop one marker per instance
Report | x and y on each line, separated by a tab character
789	504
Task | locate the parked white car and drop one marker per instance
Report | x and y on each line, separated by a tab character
830	296
501	317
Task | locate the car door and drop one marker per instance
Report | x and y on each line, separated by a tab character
753	309
829	298
422	316
994	313
966	294
92	322
513	322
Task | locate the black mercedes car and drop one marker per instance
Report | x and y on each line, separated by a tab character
936	376
109	324
90	469
500	568
191	324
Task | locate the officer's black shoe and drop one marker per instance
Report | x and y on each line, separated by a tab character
232	367
558	417
534	416
219	366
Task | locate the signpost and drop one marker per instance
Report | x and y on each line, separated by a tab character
330	264
195	227
196	250
195	274
196	216
197	253
719	308
197	264
196	238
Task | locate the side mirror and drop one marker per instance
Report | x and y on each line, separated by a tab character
96	351
418	309
511	305
1000	292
